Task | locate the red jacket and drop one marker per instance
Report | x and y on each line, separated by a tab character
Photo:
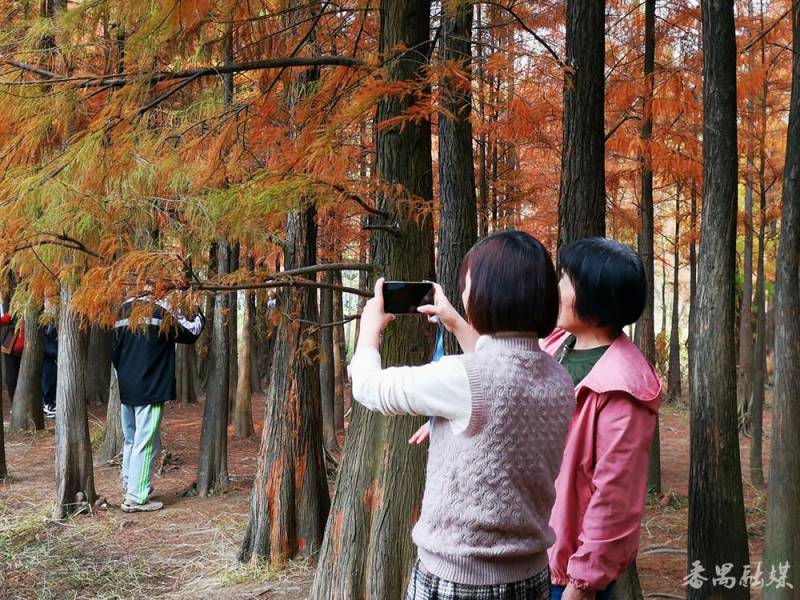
602	484
19	337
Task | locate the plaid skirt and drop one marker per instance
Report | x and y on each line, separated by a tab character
426	586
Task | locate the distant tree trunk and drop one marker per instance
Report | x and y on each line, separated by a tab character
674	384
289	502
781	540
113	440
204	341
186	373
760	350
374	506
483	181
3	468
692	282
74	471
327	366
233	332
99	375
26	410
459	219
582	195
212	463
717	531
339	356
255	346
243	413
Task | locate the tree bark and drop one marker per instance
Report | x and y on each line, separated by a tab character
692	283
289	502
27	410
99	375
212	464
3	467
459	219
674	382
339	356
114	440
74	471
368	552
327	366
582	194
186	374
483	181
233	332
717	531
781	540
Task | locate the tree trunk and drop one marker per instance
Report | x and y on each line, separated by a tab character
243	413
692	283
203	343
27	410
459	220
185	374
674	383
717	531
483	181
233	332
114	440
339	357
760	350
3	468
582	194
368	552
255	346
781	540
74	472
289	502
212	464
327	366
99	375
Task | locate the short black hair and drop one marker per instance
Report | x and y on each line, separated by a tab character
609	279
513	285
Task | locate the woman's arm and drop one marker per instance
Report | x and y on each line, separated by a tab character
438	389
610	534
452	321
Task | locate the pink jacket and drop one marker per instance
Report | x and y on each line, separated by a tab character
602	483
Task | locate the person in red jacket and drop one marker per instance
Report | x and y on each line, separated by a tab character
13	343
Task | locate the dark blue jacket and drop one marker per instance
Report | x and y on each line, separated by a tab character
145	355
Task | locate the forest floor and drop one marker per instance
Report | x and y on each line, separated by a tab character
188	550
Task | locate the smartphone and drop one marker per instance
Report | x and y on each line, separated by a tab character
403	297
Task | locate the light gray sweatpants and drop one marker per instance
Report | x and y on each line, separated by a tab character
141	427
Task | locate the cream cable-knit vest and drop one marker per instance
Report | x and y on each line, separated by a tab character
489	491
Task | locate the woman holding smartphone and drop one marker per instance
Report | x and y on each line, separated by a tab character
483	531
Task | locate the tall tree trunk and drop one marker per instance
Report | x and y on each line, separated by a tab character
339	356
459	219
27	411
289	502
717	531
760	351
233	333
203	344
186	373
99	375
74	472
375	507
582	194
483	181
3	467
690	352
113	440
674	384
212	463
781	540
327	366
745	364
243	411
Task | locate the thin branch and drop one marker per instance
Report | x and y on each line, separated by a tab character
278	284
125	79
524	26
764	33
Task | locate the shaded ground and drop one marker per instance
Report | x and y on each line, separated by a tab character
189	549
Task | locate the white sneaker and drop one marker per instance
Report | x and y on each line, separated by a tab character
149	506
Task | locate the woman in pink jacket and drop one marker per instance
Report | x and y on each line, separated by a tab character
602	483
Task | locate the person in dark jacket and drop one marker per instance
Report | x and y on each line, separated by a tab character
143	353
50	371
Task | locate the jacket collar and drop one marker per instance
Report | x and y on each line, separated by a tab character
511	340
622	368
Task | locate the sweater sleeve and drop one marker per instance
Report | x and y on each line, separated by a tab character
609	539
439	389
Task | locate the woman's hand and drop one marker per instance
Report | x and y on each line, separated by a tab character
442	309
573	593
373	319
421	435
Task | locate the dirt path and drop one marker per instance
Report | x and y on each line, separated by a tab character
189	549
